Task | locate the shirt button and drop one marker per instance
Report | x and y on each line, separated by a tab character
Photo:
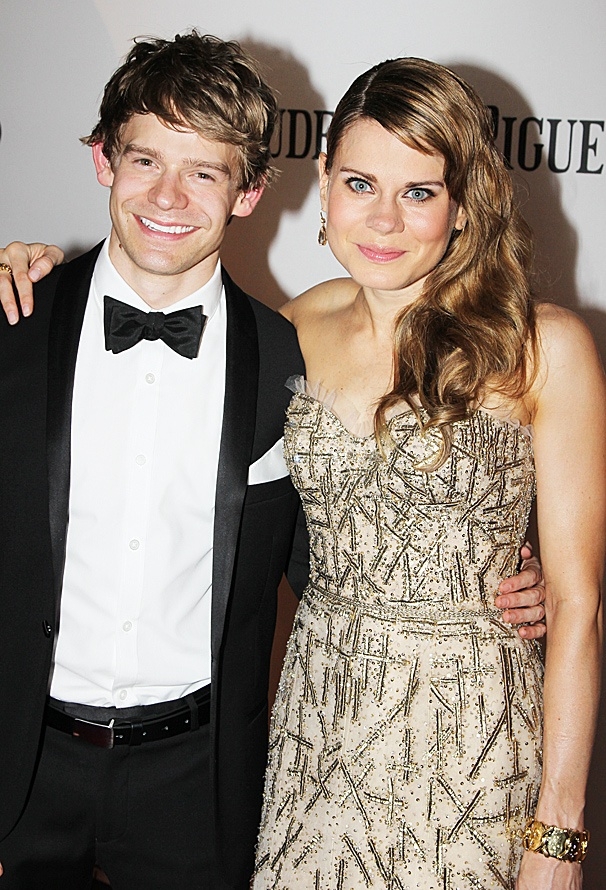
140	459
122	695
134	544
128	625
150	378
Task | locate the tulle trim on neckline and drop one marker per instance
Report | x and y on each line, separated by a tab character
361	424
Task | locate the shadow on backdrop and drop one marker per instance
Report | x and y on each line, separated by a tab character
253	237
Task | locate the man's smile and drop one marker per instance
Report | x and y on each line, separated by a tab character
168	230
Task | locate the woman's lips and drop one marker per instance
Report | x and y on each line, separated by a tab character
378	254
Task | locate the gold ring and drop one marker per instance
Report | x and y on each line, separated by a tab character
4	267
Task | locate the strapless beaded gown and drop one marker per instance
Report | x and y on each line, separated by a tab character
405	747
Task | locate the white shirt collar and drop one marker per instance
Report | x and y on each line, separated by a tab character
107	280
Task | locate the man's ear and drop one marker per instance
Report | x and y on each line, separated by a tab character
105	174
247	201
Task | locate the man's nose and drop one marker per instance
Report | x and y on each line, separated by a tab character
167	193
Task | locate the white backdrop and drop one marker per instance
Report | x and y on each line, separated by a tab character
540	63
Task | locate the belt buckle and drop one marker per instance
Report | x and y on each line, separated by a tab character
99	734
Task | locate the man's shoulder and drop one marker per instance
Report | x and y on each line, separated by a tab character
274	321
64	279
278	341
271	326
75	270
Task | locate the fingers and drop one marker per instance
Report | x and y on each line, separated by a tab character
523	608
42	264
7	296
524	615
521	598
526	610
526	550
529	621
29	262
532	631
531	576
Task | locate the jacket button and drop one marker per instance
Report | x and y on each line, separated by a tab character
47	628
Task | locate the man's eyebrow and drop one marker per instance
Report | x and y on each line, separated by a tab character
133	148
219	166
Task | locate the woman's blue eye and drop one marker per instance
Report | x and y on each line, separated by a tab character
418	194
359	185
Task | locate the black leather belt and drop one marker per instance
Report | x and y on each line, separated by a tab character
194	713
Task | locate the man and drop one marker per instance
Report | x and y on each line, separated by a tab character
136	637
149	453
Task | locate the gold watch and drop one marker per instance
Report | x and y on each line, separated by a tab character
559	843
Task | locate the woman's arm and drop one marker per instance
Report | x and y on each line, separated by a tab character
570	455
29	262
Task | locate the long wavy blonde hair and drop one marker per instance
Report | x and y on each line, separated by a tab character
473	328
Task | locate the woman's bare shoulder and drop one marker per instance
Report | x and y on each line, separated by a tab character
562	333
568	360
321	300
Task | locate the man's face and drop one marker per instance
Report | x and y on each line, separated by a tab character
172	194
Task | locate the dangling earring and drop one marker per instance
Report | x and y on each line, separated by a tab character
322	239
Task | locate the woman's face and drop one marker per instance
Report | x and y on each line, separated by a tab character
389	214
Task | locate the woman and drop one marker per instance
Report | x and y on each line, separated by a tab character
412	738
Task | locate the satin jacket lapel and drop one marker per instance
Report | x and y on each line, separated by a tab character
239	415
65	326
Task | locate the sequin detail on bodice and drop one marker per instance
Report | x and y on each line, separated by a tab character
405	742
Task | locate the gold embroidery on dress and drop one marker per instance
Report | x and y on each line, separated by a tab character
405	745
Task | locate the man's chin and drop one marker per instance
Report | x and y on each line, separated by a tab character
157	263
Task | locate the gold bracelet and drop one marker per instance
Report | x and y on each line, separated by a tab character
559	843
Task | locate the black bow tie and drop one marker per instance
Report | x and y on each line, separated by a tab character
125	326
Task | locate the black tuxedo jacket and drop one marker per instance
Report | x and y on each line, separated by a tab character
254	543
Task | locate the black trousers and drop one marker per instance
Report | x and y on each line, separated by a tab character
143	814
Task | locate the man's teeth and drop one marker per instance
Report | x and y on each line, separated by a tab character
170	230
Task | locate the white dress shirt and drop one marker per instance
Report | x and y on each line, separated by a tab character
146	428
